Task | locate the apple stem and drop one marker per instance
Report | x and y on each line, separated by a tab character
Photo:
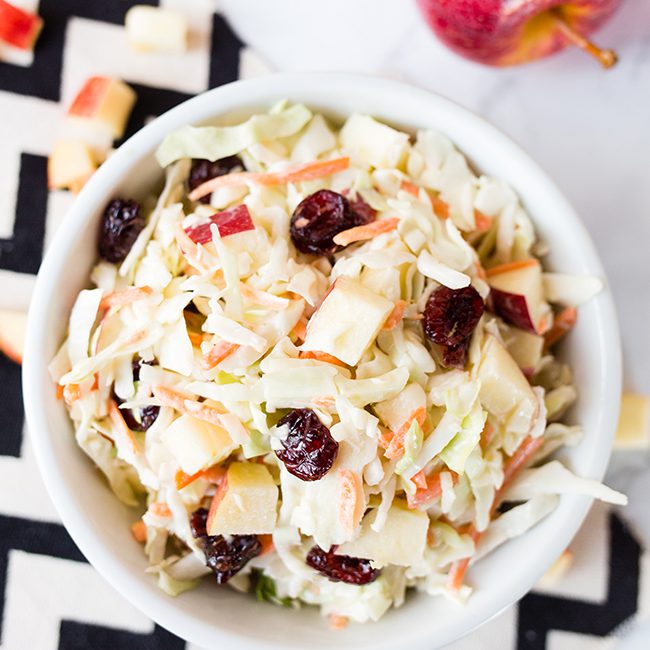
606	58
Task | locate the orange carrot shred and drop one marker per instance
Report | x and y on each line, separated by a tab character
185	404
300	328
428	488
563	322
483	222
139	531
218	353
321	356
396	446
267	544
350	499
124	297
305	172
60	391
395	317
337	622
160	509
71	393
411	188
370	230
122	429
420	480
510	266
440	207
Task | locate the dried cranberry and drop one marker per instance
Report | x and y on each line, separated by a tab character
120	227
148	415
136	364
198	523
341	568
319	217
364	213
203	170
455	356
451	315
309	451
225	557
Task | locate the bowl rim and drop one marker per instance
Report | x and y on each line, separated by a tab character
161	608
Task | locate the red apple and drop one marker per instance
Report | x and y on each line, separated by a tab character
18	27
12	334
229	222
517	295
503	32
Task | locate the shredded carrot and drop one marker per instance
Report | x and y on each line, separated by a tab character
300	328
218	353
263	298
370	230
321	356
195	338
267	544
459	567
483	222
124	297
139	531
350	499
395	317
185	404
411	188
71	393
59	391
487	434
563	322
510	266
122	429
212	474
160	509
324	402
420	480
337	622
385	436
396	446
428	488
306	172
440	207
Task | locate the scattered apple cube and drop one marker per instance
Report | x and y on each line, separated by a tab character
152	29
525	348
347	321
634	423
517	292
18	27
401	541
246	502
197	444
106	102
558	569
12	334
505	391
372	142
70	165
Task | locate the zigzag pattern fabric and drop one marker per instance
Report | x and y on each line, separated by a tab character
49	596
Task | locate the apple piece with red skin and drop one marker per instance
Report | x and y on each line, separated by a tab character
500	32
525	348
517	295
105	102
18	27
12	334
229	222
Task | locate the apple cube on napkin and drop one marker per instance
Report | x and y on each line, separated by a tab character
151	29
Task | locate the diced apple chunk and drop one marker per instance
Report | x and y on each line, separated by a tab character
18	27
633	423
246	502
197	444
12	334
525	348
504	392
518	295
106	102
372	142
152	29
347	321
70	165
401	541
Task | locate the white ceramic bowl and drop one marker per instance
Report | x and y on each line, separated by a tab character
213	617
